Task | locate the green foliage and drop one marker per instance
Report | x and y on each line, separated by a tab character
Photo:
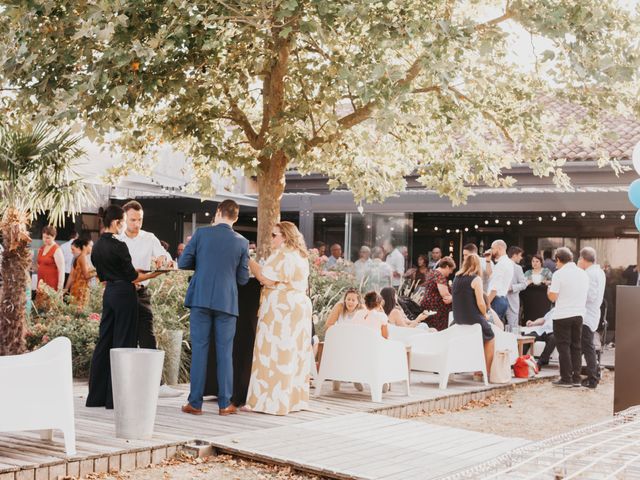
365	92
37	172
169	314
60	319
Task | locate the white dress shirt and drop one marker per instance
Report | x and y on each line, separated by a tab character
396	261
142	249
547	326
597	282
572	285
501	277
518	284
68	256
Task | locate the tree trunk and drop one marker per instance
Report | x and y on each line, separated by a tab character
271	183
16	261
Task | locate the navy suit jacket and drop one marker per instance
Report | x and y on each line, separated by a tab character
220	258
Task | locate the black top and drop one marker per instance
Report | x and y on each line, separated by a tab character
112	261
465	307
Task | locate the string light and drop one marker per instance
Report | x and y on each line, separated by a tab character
435	228
254	219
206	214
602	216
466	229
583	214
623	216
520	222
324	219
475	226
508	222
368	227
497	221
486	222
554	218
448	230
392	229
457	230
564	214
539	219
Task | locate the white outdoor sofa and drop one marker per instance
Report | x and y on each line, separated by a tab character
37	392
359	354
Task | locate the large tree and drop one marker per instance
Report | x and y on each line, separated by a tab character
365	92
36	176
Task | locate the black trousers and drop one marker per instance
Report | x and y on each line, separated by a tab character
589	352
118	327
568	333
549	344
146	338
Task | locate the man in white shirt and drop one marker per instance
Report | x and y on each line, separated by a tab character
377	274
591	320
68	255
569	288
143	248
543	332
518	284
501	278
395	260
436	256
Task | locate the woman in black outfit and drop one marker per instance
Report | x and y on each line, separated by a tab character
119	322
469	306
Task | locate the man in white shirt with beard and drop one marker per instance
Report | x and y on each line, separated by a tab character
501	279
591	319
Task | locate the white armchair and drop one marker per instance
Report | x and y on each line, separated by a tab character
359	354
38	392
406	335
457	349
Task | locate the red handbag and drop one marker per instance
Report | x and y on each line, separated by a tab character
525	367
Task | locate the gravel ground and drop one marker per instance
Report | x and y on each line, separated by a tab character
534	412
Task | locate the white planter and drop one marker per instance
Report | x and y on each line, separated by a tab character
172	359
135	378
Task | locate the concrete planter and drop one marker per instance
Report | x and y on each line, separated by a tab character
172	358
135	378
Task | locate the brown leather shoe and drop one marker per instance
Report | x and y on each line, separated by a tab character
187	408
231	409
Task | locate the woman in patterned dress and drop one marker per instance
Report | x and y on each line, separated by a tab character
437	296
280	373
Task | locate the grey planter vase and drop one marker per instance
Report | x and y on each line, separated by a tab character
135	379
172	359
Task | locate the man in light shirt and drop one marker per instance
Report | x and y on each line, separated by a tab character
143	248
395	260
568	290
501	279
591	320
335	258
68	255
518	284
377	274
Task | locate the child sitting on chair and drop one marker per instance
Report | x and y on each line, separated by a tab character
372	315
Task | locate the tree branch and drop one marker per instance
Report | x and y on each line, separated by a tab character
488	115
241	119
495	21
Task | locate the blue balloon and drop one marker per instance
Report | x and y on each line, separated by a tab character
634	193
638	220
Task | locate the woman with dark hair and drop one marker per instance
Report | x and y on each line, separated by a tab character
418	275
119	322
437	297
534	300
50	265
395	313
81	273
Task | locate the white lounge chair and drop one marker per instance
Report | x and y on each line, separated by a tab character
406	335
359	354
37	392
457	349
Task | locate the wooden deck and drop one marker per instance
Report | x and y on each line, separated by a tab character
24	456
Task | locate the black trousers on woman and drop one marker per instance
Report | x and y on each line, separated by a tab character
118	329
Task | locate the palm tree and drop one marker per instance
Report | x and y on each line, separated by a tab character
36	176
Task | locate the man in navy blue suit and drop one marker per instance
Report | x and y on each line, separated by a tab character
220	258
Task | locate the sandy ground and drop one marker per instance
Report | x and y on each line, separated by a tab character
534	412
222	467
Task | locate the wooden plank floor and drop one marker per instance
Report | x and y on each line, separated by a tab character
363	445
96	439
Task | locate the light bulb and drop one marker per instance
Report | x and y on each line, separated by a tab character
368	226
497	221
457	230
415	229
602	216
583	214
623	216
486	222
466	229
392	229
475	226
324	219
448	230
520	222
508	222
564	214
539	219
554	218
254	219
435	228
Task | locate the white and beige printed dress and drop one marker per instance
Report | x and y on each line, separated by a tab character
282	351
